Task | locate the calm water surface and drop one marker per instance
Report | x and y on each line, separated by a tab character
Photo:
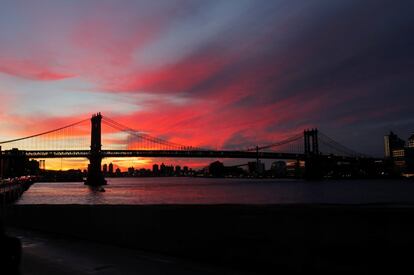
219	191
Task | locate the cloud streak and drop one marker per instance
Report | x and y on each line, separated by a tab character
217	74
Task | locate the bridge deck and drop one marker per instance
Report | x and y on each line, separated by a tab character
160	154
41	154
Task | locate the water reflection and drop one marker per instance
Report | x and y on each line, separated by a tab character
95	195
220	191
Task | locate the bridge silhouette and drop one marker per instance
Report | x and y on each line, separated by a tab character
69	142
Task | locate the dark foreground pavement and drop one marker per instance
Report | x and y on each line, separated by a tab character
48	254
263	239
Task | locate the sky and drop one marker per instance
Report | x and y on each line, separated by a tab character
217	74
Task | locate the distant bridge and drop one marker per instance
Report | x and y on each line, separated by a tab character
69	142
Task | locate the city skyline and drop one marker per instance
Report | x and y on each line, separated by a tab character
210	74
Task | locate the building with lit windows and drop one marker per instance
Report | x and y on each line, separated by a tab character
411	141
400	153
392	142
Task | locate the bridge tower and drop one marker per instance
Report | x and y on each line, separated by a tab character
311	142
313	165
95	176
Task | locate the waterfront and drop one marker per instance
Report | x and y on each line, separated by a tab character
176	190
253	225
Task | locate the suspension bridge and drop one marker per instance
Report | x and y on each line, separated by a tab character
120	141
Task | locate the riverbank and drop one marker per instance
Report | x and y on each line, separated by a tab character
12	189
259	238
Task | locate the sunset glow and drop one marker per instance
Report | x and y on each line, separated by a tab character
211	74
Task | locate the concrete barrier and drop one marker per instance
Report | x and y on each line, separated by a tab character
258	238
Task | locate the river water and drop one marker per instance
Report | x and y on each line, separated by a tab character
222	191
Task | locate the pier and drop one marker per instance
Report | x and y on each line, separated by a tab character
12	189
10	247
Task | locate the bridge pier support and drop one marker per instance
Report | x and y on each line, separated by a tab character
313	168
313	161
95	175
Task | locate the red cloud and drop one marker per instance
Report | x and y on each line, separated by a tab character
30	70
179	77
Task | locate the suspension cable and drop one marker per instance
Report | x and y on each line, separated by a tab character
339	147
279	143
121	127
44	133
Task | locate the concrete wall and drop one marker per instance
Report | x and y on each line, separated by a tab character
258	238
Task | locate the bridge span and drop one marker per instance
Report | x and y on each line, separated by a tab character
161	154
310	146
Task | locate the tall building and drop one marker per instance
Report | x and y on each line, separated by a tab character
16	164
131	171
162	169
256	167
42	164
111	169
178	170
216	169
411	141
392	143
279	168
155	169
402	156
118	172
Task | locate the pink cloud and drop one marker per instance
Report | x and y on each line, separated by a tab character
175	78
31	70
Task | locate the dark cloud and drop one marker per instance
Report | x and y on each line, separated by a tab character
249	71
